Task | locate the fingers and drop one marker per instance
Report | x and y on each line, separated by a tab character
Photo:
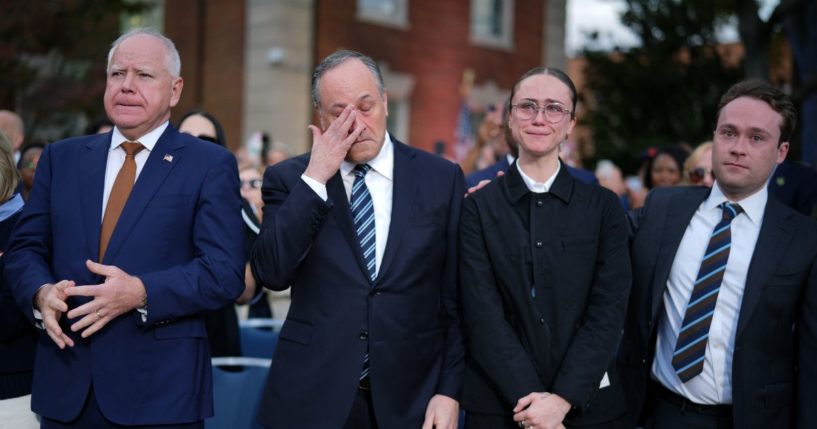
86	321
102	270
316	132
90	290
524	401
52	328
344	121
87	308
95	326
428	423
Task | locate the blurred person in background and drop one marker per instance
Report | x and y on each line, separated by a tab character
30	156
252	211
122	341
666	168
545	276
99	125
795	185
698	166
17	336
222	324
204	126
11	124
277	152
610	177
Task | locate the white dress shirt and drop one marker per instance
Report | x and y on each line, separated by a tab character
380	181
536	187
714	384
116	158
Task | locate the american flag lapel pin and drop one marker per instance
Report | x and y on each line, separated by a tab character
168	157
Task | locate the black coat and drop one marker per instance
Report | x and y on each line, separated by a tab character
544	281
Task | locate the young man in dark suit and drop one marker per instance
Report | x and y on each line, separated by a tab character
721	330
363	229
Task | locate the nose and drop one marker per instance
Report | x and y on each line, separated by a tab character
127	82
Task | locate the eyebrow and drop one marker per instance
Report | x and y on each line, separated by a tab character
363	97
546	101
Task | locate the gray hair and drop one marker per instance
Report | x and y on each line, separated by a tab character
337	58
174	62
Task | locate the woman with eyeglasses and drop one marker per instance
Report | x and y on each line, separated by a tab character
545	278
698	166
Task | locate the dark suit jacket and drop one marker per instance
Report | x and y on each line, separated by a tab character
773	369
489	173
408	316
795	185
180	233
545	282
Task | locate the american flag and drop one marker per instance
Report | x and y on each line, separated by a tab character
463	135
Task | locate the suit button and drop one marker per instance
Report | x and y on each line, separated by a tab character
539	203
541	320
538	244
364	335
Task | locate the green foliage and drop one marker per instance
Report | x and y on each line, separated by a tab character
52	60
664	91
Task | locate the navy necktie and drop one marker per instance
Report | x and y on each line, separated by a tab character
690	349
363	215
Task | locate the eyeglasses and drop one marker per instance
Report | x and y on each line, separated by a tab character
553	112
252	183
697	175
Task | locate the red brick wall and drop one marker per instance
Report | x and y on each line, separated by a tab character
209	35
435	50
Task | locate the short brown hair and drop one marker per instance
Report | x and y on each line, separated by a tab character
763	91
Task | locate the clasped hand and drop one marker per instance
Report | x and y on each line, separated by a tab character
118	294
541	410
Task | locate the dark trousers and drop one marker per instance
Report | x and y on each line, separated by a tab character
671	411
91	417
362	414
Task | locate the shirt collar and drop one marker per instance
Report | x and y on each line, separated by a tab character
539	188
383	163
753	205
148	140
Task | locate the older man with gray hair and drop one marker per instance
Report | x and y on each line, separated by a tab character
126	238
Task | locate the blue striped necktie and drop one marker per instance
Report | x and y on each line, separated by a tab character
363	215
690	349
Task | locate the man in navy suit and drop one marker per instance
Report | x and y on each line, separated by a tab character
363	229
721	330
118	278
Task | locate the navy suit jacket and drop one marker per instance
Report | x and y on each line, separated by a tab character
180	233
408	317
773	372
489	173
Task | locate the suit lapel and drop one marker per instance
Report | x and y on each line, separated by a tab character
152	176
774	235
92	166
403	190
343	217
681	208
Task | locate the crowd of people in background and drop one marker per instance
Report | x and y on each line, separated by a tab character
419	288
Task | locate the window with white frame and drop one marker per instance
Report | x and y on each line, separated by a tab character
392	13
492	23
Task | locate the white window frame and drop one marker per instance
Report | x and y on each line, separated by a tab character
503	41
399	19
